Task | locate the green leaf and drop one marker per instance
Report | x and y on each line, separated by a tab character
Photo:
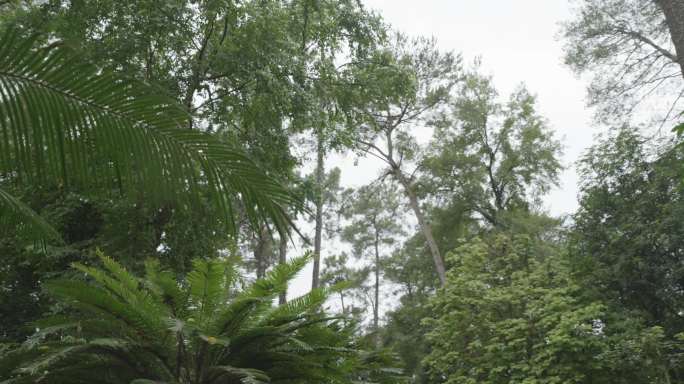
679	129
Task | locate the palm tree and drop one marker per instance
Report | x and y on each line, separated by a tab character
117	328
68	124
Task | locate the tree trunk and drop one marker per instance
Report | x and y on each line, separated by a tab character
426	229
344	310
315	282
263	251
674	17
376	309
282	259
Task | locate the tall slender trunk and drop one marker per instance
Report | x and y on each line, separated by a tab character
426	229
376	309
282	259
674	17
263	251
344	310
320	169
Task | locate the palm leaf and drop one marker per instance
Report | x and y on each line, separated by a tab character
14	213
100	303
208	282
165	286
258	297
66	123
148	310
277	279
297	307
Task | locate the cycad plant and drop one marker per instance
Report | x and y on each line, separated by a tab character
117	328
68	124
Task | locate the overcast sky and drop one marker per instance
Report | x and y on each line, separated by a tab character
517	43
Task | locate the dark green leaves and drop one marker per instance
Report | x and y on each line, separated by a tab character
64	123
679	129
161	330
25	220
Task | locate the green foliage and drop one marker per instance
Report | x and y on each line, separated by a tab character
99	131
679	129
378	367
375	224
27	222
90	159
334	199
409	265
337	271
404	333
642	354
628	229
509	313
492	156
626	243
199	330
374	219
406	80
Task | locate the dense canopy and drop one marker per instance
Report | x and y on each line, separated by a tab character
170	169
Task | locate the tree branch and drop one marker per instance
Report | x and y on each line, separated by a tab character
638	36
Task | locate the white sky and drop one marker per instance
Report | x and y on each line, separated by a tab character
517	42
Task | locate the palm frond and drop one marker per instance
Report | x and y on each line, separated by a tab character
65	360
98	302
208	286
258	297
24	220
148	310
297	307
66	123
277	279
165	286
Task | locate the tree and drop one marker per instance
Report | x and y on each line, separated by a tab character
625	243
411	79
325	199
510	313
122	329
326	194
254	72
494	157
410	269
336	271
375	222
195	53
627	45
282	259
404	334
329	101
